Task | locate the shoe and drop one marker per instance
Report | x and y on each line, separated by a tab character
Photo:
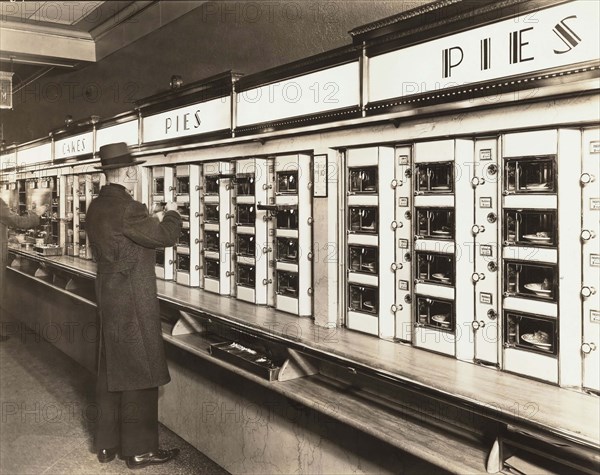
151	458
106	455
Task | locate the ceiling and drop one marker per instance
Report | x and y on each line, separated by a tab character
39	38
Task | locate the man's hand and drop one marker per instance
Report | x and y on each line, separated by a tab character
171	206
39	210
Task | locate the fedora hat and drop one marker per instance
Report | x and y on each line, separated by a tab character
116	155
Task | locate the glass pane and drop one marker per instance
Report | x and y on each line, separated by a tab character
211	213
287	284
364	259
246	214
211	241
211	186
246	245
287	219
287	250
287	182
183	263
363	180
530	333
212	268
246	275
182	185
530	281
363	219
245	185
364	299
158	187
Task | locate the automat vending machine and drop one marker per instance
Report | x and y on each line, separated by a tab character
253	231
217	227
187	250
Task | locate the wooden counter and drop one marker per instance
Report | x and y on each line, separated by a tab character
526	404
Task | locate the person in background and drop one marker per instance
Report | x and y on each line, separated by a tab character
13	220
132	363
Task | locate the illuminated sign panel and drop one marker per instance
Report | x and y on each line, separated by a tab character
554	37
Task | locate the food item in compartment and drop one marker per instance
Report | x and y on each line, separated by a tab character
538	338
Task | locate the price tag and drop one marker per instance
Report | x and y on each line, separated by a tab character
402	159
594	316
595	260
485	250
403	202
403	243
595	146
485	154
403	284
484	297
485	202
594	204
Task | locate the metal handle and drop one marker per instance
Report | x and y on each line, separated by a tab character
229	215
196	241
477	276
267	281
309	220
229	245
476	325
492	217
267	187
492	266
587	291
170	261
197	188
396	183
395	225
396	307
266	250
197	267
492	314
586	235
197	214
476	229
475	181
396	266
229	273
408	215
587	348
586	178
309	291
171	188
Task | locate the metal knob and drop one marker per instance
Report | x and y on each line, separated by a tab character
266	250
587	348
408	215
309	291
395	183
475	181
587	291
396	225
396	307
229	215
309	221
586	235
492	314
408	298
477	324
267	187
197	214
477	276
492	266
228	245
229	273
267	281
492	217
586	178
197	267
396	266
196	241
476	229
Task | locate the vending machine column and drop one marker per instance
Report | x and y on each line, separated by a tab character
218	223
293	234
530	254
371	230
187	249
253	244
590	239
161	192
485	180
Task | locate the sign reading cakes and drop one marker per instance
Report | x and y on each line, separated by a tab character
557	36
73	146
199	118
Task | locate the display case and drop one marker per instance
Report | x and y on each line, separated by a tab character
363	219
530	175
434	268
530	227
530	333
434	223
435	313
434	177
530	280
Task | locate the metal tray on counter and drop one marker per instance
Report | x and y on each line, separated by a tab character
246	358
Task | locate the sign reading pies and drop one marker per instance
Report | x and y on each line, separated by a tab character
553	37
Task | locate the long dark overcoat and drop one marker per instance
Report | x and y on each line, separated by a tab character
124	238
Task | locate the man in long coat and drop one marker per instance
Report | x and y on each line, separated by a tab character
132	363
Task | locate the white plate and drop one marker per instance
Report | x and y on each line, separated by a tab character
529	338
441	233
537	186
538	290
440	318
440	276
536	238
440	188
